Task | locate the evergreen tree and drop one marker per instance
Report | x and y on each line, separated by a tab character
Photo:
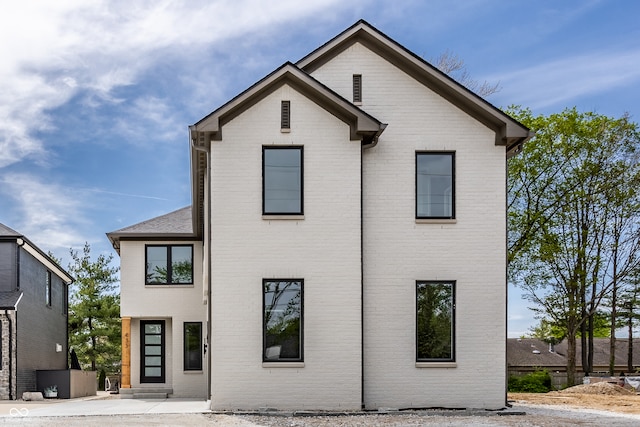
94	311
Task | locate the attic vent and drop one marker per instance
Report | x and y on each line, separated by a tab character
285	115
357	88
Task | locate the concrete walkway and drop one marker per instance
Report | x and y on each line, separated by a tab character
102	404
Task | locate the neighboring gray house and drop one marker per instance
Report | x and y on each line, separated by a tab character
33	313
345	247
526	355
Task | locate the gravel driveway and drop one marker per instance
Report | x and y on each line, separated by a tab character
535	415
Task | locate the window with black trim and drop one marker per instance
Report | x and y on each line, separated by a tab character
169	264
47	289
435	185
193	346
65	298
282	180
435	321
282	320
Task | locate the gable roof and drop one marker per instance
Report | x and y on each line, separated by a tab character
362	126
9	234
509	132
174	225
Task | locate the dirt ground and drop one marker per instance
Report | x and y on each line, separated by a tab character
600	396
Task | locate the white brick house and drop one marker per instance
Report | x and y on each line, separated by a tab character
347	239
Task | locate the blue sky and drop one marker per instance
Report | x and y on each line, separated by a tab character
96	97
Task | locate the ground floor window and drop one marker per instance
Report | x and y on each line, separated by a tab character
435	315
282	320
193	346
152	351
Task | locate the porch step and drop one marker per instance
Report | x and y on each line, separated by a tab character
145	393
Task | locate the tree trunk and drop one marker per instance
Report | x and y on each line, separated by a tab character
612	338
630	350
571	358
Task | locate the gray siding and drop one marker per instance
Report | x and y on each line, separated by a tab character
40	327
8	251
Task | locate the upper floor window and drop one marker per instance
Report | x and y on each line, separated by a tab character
169	264
435	183
47	289
435	314
65	298
282	321
282	180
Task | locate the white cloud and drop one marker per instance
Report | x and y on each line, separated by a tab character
149	120
61	48
47	213
560	82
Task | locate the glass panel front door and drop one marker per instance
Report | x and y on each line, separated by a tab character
152	351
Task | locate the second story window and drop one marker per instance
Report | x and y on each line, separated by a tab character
169	264
282	180
47	289
435	182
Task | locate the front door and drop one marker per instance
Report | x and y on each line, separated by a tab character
152	351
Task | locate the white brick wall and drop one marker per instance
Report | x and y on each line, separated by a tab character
173	304
398	251
323	249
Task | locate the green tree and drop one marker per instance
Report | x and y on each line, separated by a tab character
564	189
94	311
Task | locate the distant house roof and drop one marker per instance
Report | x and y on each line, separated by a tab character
174	225
9	234
9	300
601	351
532	352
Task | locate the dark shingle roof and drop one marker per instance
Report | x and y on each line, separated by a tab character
521	352
601	351
532	352
8	232
176	224
9	300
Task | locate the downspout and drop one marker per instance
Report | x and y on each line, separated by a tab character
362	404
20	243
506	301
207	239
366	144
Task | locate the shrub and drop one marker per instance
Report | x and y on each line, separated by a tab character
535	382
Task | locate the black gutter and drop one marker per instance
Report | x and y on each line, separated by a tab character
362	405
